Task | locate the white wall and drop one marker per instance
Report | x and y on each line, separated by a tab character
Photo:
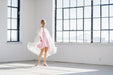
32	11
73	52
17	51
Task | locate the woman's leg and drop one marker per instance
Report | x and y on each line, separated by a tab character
42	50
46	49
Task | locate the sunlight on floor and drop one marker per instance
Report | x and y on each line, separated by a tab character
54	68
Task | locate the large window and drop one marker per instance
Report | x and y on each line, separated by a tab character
84	21
13	21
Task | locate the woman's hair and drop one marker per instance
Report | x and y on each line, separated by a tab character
42	21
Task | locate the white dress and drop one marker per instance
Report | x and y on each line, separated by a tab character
32	46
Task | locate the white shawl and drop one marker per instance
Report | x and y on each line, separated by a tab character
32	46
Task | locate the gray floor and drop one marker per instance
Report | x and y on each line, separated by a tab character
54	68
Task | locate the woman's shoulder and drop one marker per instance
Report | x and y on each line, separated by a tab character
43	28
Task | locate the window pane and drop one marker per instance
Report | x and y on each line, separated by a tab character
15	3
8	23
96	11
13	35
111	36
73	13
87	24
111	1
80	24
59	13
9	2
87	12
59	24
59	3
66	36
104	11
72	3
73	36
87	36
111	10
96	36
14	13
66	3
79	2
79	36
96	24
59	36
96	2
66	13
104	23
87	2
79	13
72	24
104	37
111	23
9	12
14	23
66	24
104	1
8	35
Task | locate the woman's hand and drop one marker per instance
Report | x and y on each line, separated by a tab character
40	39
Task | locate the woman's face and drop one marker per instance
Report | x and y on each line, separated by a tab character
43	23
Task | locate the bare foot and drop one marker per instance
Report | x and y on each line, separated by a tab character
36	64
44	64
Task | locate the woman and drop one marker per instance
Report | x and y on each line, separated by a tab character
43	47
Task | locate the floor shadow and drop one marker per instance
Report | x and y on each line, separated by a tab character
80	66
96	69
91	73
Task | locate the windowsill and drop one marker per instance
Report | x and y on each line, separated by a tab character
14	42
74	43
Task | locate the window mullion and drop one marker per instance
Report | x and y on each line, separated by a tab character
83	22
91	21
18	21
100	20
62	20
55	19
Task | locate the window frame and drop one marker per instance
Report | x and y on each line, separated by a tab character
18	22
92	19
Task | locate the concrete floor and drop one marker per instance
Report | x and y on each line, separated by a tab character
54	68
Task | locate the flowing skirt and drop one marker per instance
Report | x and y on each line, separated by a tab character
36	46
43	44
